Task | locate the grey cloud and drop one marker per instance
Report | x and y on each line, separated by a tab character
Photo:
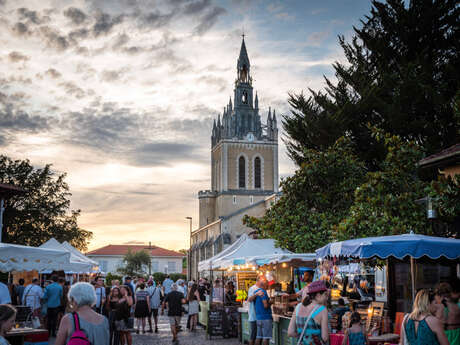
72	89
79	34
157	19
18	120
120	41
53	73
110	76
76	15
105	23
208	20
220	82
197	6
54	39
20	29
164	153
17	57
33	16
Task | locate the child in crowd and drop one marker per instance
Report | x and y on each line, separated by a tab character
355	335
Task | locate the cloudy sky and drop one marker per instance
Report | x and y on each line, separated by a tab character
120	95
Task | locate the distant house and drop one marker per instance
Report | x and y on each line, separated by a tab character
110	258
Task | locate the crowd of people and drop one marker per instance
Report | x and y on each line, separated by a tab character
109	314
434	319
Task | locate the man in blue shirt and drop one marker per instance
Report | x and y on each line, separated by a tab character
263	315
252	319
53	295
167	285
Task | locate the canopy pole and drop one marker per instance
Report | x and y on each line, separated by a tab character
412	277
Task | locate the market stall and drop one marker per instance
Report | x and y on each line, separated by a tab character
234	264
78	263
17	258
284	273
382	274
14	257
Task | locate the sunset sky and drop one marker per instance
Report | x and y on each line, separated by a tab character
121	94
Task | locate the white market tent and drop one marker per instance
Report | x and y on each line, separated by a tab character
78	263
14	257
249	251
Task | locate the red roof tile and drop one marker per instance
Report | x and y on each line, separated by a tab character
122	249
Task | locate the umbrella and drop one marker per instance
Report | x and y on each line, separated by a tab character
398	246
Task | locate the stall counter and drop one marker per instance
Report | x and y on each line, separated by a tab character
280	329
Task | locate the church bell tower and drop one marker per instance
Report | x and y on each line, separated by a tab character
244	152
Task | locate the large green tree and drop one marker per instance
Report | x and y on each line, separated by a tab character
401	75
314	200
43	211
135	263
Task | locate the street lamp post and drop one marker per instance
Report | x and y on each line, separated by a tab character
189	259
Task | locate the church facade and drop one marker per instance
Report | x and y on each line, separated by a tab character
244	169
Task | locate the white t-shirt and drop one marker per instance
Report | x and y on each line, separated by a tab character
100	295
5	297
32	295
252	308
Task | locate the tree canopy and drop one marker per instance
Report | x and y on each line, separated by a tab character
315	199
357	142
401	75
135	262
43	211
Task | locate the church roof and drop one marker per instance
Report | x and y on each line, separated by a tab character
243	58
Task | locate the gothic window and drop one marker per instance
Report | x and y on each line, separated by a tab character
241	172
257	173
244	97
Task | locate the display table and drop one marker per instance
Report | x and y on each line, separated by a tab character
16	335
384	338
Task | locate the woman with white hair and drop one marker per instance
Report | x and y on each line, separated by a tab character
96	327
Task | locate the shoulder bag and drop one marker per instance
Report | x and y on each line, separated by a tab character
305	325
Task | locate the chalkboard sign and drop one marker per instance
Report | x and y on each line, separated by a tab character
216	322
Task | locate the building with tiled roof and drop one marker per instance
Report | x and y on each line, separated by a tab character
110	258
447	162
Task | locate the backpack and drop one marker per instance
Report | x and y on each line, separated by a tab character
78	337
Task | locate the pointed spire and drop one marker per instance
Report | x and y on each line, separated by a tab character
256	103
230	106
274	116
218	120
269	114
243	58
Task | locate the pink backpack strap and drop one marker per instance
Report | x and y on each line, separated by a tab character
76	321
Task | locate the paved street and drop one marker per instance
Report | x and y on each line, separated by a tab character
164	337
185	337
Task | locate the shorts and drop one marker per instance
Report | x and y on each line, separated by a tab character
174	320
154	312
264	329
252	330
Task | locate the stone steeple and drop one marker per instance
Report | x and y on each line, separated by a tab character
241	120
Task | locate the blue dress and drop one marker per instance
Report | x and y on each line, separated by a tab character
356	338
312	334
423	336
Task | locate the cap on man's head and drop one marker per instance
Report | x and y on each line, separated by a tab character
128	278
